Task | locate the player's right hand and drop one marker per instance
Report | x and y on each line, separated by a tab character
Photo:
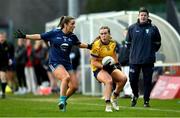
107	66
19	34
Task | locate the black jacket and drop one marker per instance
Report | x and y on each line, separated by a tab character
123	54
5	54
144	41
20	55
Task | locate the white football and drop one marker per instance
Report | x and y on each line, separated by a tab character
108	59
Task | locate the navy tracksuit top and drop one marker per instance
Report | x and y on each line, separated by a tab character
143	41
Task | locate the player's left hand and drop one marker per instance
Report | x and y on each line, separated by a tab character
89	46
118	66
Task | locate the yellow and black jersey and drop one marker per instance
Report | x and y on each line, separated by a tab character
100	50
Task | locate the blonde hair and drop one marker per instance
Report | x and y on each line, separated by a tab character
105	27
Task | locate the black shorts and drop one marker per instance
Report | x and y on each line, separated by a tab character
113	67
96	72
11	68
3	68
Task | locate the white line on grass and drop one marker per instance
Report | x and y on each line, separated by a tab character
135	108
92	104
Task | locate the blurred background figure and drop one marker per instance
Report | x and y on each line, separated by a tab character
158	70
75	59
29	69
52	80
123	58
11	79
5	61
39	56
123	53
20	58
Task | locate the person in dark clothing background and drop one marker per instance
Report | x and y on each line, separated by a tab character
144	40
20	57
5	61
123	58
39	55
123	51
75	59
10	74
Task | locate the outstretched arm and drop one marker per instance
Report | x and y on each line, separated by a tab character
85	45
20	34
33	36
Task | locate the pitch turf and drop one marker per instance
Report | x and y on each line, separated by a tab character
83	106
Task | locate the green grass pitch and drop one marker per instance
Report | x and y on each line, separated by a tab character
83	106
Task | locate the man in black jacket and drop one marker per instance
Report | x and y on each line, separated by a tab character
144	40
5	61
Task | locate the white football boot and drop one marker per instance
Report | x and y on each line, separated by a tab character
108	108
114	102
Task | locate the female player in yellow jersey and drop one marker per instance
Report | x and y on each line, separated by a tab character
104	46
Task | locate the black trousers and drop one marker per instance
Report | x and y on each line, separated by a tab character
21	75
41	74
147	70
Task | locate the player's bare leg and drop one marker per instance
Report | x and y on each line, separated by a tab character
120	80
64	76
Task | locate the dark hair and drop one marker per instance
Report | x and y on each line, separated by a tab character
143	9
106	27
65	20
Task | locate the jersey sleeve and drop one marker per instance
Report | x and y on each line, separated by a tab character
47	35
75	40
128	38
94	51
156	39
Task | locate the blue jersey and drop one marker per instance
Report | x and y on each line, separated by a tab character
60	46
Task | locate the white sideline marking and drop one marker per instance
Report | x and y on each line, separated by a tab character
135	108
124	107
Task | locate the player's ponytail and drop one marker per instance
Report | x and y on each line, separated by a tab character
64	20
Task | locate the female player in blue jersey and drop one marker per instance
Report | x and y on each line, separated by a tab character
61	41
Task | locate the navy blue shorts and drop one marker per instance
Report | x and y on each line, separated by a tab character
52	67
96	72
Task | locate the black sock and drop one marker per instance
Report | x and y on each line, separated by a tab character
108	101
116	94
3	86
